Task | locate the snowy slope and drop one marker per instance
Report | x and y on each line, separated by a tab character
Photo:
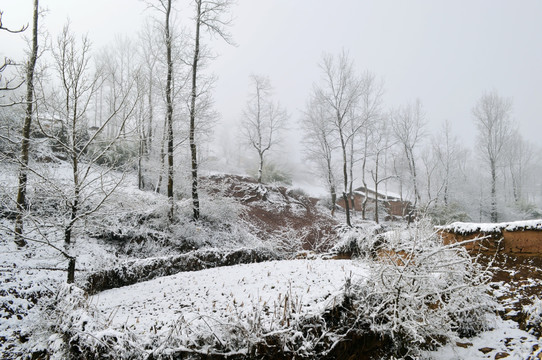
216	300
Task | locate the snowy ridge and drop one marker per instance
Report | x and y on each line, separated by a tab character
491	228
134	271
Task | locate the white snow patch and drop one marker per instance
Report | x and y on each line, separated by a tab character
228	295
465	228
505	338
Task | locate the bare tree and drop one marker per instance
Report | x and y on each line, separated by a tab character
70	106
210	16
371	103
408	127
449	154
165	7
519	158
492	119
320	145
169	102
25	142
145	128
381	142
262	120
340	91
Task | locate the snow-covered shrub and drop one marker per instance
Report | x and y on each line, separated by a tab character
326	203
527	210
287	243
361	240
219	209
273	173
117	155
422	293
11	119
446	214
297	193
68	327
533	312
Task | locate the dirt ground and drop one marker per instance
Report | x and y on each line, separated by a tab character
518	280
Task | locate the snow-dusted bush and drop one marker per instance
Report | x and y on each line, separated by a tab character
68	327
361	240
116	155
533	312
422	293
273	172
218	209
288	242
446	214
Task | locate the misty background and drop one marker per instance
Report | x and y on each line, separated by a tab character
446	55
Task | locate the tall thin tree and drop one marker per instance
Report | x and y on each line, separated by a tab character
492	118
340	91
320	145
262	120
408	127
25	142
209	16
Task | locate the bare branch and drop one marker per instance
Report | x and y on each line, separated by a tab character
2	27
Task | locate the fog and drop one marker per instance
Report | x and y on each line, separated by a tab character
446	55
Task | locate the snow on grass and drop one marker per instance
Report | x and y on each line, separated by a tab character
233	296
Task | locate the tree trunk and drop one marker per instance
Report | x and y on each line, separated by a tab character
71	270
332	190
140	152
375	177
351	171
76	190
169	112
193	149
260	169
25	143
494	215
365	199
333	200
162	159
345	175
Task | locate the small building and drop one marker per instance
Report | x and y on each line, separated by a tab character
390	202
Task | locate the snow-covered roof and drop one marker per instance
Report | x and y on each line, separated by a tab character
382	194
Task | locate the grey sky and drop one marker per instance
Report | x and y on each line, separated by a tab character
446	53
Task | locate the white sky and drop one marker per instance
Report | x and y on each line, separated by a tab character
446	53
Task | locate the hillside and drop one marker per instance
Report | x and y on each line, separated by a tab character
228	285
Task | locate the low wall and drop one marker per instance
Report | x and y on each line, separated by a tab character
510	238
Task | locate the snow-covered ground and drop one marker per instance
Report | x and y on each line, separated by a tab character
504	339
214	301
273	292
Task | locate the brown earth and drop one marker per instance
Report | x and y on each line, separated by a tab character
276	212
521	242
515	261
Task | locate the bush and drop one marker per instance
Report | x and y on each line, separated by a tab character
442	215
533	320
272	173
117	155
361	240
528	210
422	293
68	327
